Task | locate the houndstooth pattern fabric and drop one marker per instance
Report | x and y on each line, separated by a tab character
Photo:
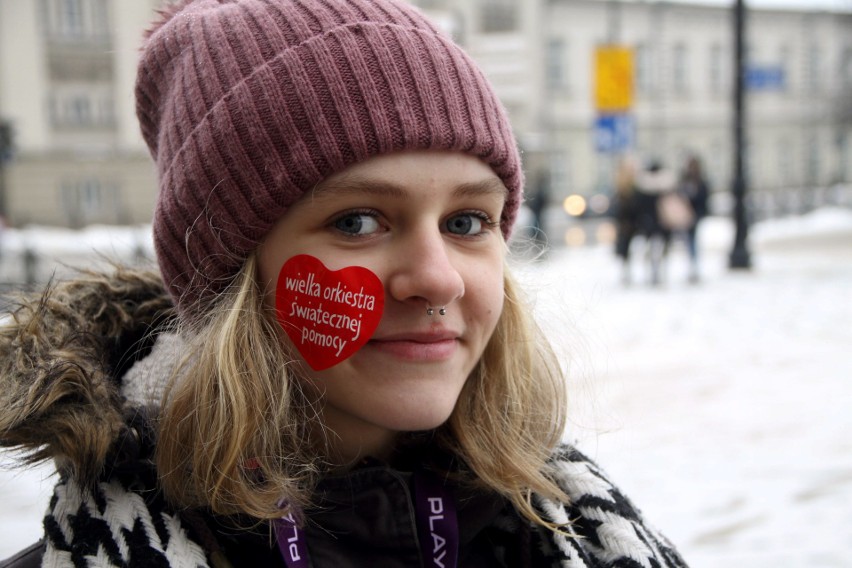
112	526
605	528
117	526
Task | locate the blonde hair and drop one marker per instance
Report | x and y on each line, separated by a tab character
236	398
512	410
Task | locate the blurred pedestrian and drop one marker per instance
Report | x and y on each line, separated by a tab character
625	212
334	365
694	187
538	203
654	184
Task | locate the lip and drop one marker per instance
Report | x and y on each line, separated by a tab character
418	346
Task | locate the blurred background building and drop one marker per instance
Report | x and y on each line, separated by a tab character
67	69
541	55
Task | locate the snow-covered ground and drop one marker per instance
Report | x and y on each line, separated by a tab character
723	409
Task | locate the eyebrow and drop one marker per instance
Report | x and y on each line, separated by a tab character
381	188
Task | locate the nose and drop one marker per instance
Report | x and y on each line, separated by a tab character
425	272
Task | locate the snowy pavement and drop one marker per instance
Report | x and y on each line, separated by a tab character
722	409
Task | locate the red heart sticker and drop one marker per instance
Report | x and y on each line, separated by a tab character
328	314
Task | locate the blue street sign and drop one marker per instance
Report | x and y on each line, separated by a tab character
613	133
764	78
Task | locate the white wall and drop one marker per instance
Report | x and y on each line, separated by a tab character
23	88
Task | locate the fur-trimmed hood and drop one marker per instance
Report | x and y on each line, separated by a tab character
63	354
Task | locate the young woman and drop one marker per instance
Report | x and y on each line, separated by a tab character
332	366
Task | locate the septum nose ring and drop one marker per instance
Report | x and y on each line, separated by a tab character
431	311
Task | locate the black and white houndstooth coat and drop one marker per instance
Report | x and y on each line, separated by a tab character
80	369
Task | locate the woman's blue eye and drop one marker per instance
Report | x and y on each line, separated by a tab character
357	224
465	224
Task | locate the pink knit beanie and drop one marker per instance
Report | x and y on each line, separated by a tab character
247	104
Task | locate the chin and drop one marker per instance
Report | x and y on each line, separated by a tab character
417	420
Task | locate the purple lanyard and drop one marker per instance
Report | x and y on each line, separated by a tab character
291	542
437	528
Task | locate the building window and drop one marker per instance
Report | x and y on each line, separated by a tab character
71	17
680	69
813	71
560	174
846	69
785	163
717	80
812	166
80	108
74	110
100	17
88	200
644	79
717	163
556	68
77	19
78	111
784	58
498	16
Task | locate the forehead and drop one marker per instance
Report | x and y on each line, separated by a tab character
395	175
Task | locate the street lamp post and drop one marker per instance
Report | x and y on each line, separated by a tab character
740	257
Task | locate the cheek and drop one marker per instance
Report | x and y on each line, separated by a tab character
495	308
485	290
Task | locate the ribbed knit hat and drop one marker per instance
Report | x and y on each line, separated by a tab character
247	104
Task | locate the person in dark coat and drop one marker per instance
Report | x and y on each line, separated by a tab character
652	185
693	185
538	203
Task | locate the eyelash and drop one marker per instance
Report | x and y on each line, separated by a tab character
365	212
481	215
486	219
